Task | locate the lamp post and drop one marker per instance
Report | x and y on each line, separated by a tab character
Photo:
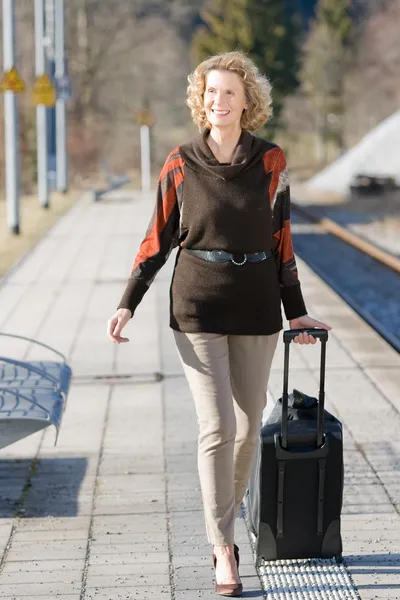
63	93
145	118
41	124
11	118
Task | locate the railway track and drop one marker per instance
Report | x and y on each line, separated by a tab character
366	277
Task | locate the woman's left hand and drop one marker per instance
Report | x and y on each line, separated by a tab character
309	322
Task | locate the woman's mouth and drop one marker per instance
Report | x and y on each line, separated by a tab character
220	113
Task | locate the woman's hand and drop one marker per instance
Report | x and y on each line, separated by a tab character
309	322
116	324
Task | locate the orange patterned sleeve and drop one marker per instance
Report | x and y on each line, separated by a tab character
162	234
279	196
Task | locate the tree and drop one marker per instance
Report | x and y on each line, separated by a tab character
276	32
226	27
266	30
325	65
373	87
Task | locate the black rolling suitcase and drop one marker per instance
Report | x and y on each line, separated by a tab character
295	492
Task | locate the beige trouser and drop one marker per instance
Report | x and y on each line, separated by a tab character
228	376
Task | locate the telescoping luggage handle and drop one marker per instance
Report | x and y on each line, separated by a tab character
320	451
288	336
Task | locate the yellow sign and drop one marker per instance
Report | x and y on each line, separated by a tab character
145	117
43	91
12	82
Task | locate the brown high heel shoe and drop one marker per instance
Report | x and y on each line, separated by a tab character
229	589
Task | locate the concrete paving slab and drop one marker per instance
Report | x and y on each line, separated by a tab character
377	592
200	593
22	536
45	597
54	524
129	593
117	558
54	588
127	546
127	580
136	524
137	568
381	562
42	576
131	483
54	565
131	538
37	552
129	508
131	466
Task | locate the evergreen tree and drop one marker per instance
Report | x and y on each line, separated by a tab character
275	48
325	65
226	27
265	30
335	14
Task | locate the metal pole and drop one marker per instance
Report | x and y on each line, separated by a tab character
10	122
41	125
49	9
145	157
61	137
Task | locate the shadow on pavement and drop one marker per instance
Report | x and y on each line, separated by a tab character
47	487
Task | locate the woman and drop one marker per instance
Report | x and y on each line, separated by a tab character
224	200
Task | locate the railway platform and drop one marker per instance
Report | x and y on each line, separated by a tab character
114	510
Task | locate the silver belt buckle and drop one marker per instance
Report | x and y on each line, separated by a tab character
239	263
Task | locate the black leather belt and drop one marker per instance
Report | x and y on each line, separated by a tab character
222	256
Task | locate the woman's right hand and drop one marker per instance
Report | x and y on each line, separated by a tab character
116	324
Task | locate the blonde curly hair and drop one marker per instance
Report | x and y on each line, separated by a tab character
257	89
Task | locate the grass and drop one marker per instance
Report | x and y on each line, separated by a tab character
35	221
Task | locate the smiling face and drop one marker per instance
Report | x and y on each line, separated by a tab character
224	98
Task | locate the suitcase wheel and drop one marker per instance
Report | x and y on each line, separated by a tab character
339	558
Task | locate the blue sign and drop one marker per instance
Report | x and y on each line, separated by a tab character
63	87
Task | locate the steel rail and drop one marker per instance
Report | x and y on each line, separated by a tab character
351	238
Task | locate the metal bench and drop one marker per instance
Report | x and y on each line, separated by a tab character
370	183
33	394
114	182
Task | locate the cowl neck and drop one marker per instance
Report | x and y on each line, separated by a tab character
199	156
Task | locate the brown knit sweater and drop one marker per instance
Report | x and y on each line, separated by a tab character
241	207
